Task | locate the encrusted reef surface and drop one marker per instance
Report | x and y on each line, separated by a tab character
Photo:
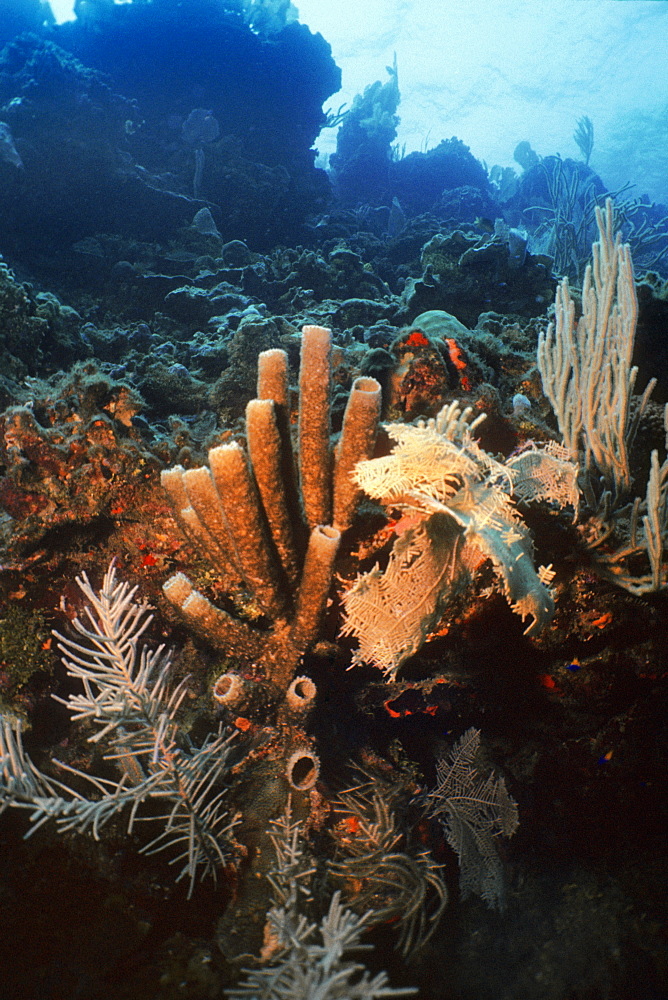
330	603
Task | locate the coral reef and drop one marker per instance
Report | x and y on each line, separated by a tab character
71	127
453	267
25	651
419	180
104	162
360	166
35	329
68	456
255	391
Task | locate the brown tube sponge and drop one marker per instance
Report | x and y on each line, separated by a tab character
302	769
172	483
315	583
216	625
192	527
229	689
314	425
299	700
273	383
204	500
245	520
199	534
247	513
265	448
357	441
272	376
178	589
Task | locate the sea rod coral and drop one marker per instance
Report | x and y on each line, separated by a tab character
588	377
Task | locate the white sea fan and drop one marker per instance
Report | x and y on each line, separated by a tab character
391	612
462	499
546	473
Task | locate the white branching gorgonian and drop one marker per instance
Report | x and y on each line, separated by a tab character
475	809
377	874
304	958
126	693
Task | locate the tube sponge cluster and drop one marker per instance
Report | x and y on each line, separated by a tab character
271	518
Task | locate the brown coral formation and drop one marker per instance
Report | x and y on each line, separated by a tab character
68	457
